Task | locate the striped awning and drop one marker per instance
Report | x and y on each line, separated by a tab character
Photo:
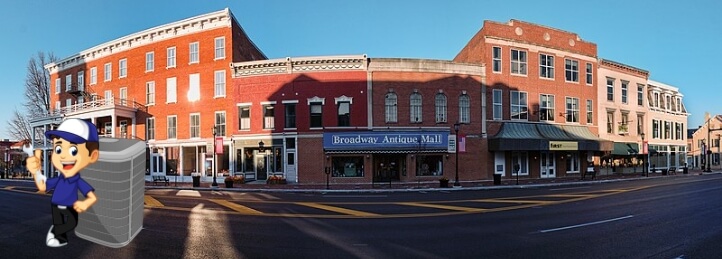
386	151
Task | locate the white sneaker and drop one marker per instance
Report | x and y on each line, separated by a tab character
55	243
50	235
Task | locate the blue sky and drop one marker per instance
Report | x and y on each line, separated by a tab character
677	41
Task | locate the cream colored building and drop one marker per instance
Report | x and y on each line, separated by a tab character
666	132
701	137
623	110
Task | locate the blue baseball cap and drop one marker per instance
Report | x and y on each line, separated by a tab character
76	131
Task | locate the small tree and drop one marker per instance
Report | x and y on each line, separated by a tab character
36	97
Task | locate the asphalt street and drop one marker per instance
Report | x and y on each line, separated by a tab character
666	217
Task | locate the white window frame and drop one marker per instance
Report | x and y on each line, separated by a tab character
81	80
193	53
269	122
625	87
244	124
194	87
194	129
122	68
107	72
150	93
123	95
547	107
391	101
171	93
219	49
440	104
519	63
416	114
522	160
58	85
170	61
464	108
68	82
546	64
57	105
610	122
497	104
286	104
590	73
517	104
68	102
590	111
610	89
174	127
93	75
573	109
149	61
219	84
572	70
496	59
640	94
219	123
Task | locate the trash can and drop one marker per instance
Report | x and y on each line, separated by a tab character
196	181
684	170
497	179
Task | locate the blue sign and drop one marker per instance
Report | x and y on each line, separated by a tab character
386	140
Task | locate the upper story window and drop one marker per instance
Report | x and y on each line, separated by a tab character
150	128
170	57
679	104
93	75
590	112
440	103
518	62
656	100
220	48
290	108
571	70
193	53
546	66
667	103
219	83
391	112
610	122
68	82
624	91
316	109
220	123
464	108
572	109
415	105
640	94
496	60
546	107
195	125
610	89
122	68
244	117
149	61
589	74
519	108
150	93
344	113
497	105
170	87
108	71
268	117
57	85
81	80
171	127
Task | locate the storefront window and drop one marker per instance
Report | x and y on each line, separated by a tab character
429	165
348	166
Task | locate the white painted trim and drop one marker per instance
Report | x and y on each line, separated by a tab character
268	103
344	98
244	104
316	99
289	101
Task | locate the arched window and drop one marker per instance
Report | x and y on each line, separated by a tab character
391	111
464	108
415	106
440	108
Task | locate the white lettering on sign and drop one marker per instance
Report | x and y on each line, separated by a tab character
388	139
358	139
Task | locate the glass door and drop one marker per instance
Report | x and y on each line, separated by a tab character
547	168
261	160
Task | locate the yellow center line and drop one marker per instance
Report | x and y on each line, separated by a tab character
236	207
337	209
439	206
569	195
151	202
515	201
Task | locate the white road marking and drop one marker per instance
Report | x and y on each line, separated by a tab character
355	196
585	224
188	193
570	188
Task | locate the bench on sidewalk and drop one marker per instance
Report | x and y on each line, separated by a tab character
672	170
160	178
590	170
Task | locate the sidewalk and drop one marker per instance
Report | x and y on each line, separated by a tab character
506	183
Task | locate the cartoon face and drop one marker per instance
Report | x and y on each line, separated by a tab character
70	158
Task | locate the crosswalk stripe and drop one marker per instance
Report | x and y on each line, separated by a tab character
9	187
237	207
439	206
152	202
267	196
337	209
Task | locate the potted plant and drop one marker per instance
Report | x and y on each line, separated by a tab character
229	182
276	179
234	180
444	182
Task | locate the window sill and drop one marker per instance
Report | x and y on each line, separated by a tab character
219	97
316	128
546	78
221	58
290	129
191	63
149	104
170	102
148	71
121	77
170	67
520	75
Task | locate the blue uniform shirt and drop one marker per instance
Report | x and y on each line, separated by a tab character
66	189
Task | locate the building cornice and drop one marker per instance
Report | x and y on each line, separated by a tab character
299	65
218	19
623	67
424	65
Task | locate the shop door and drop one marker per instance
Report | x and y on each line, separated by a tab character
261	166
291	174
548	168
156	164
388	167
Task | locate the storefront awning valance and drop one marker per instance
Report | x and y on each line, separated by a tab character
545	137
387	151
625	148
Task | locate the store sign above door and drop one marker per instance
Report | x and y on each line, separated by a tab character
393	140
563	145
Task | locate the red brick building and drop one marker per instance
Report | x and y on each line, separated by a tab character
541	94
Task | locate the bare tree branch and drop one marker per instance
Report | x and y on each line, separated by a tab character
37	96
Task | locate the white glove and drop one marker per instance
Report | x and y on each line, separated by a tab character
29	150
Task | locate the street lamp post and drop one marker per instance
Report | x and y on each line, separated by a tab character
215	183
456	129
644	163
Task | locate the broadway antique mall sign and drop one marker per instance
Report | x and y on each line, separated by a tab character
387	140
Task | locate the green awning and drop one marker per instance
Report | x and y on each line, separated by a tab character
538	136
625	149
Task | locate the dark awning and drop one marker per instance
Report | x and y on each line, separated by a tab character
537	136
625	149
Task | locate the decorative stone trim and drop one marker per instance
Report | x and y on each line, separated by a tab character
305	64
